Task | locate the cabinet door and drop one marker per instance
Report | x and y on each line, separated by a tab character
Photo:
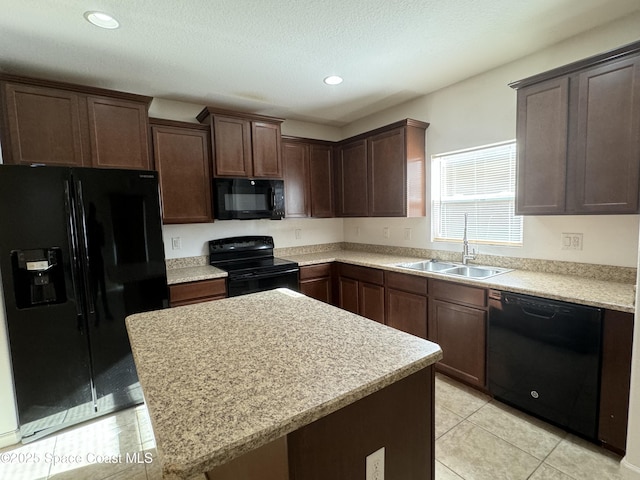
542	137
231	146
44	126
321	180
267	160
617	337
318	288
351	180
118	133
348	294
407	312
461	333
387	174
371	301
606	160
183	163
296	179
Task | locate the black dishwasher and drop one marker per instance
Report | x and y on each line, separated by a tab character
543	357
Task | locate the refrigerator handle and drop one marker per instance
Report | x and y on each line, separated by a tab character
73	243
84	238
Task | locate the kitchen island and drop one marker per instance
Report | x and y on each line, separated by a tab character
280	383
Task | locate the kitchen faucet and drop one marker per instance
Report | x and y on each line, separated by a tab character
466	256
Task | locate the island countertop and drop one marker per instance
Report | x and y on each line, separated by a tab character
222	378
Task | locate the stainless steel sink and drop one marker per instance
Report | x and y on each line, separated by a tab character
428	266
474	272
446	268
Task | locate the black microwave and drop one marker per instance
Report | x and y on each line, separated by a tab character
246	199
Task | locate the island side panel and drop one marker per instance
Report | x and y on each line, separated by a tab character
399	418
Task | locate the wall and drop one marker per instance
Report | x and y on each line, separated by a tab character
481	111
194	237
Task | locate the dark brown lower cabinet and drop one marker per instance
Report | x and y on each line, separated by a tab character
196	292
461	333
616	379
371	301
406	303
361	291
337	445
316	281
458	323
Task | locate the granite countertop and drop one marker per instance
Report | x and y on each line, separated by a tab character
222	378
193	274
569	288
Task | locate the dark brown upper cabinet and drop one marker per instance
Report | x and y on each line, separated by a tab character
244	145
182	157
308	177
577	134
54	123
381	173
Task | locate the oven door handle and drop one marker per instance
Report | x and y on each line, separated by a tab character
259	276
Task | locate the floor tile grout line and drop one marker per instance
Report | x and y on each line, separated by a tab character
540	462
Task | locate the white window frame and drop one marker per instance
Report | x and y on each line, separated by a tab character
492	201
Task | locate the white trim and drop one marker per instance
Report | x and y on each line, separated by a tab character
10	438
629	470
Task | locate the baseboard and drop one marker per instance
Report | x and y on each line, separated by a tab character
9	438
629	470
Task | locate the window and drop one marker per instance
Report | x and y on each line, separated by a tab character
480	182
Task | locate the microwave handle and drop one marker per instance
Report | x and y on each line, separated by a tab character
273	198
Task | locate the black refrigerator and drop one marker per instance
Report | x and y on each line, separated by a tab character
80	249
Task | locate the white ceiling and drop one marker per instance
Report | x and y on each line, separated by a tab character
270	57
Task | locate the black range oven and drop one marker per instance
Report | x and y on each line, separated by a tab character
251	266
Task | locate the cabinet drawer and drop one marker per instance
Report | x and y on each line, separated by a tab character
406	283
315	271
365	274
192	292
457	293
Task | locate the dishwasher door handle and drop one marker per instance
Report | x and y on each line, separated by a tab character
542	314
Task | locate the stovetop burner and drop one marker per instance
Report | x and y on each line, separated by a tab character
243	255
251	266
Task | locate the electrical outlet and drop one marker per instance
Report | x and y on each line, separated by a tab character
298	234
571	241
375	465
176	243
357	231
407	234
385	232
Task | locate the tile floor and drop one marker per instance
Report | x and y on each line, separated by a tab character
476	439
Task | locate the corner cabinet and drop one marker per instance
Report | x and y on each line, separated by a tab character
244	145
361	291
182	157
577	134
55	123
308	175
316	281
381	173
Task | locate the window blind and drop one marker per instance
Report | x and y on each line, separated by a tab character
480	182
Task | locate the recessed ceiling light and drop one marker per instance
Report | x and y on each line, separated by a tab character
333	80
102	20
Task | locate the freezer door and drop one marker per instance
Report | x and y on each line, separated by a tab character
44	315
123	254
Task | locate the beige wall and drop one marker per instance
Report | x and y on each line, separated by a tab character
481	111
